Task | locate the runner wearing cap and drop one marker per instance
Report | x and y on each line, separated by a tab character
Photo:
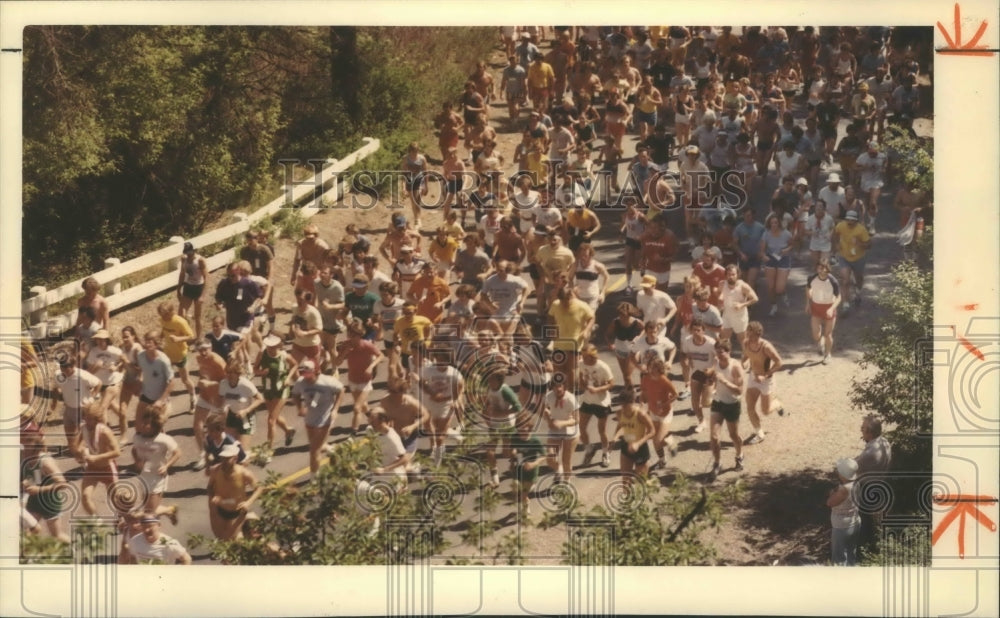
851	240
317	397
106	362
361	304
191	281
151	546
654	304
833	196
211	371
217	439
276	369
398	235
232	489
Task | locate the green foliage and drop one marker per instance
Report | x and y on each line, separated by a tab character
899	387
44	549
135	133
655	526
913	158
911	546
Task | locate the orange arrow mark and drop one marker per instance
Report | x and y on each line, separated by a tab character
955	46
962	506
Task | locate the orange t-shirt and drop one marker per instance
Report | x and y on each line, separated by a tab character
658	392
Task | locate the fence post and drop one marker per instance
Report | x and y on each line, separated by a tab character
175	262
112	286
38	316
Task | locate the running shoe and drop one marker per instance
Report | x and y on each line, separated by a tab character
739	464
684	395
289	436
773	311
700	427
200	464
754	439
659	465
716	469
588	457
494	479
605	461
826	359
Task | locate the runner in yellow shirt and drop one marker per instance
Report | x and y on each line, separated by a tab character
410	328
176	335
541	79
852	241
574	319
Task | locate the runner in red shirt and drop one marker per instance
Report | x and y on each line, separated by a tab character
659	246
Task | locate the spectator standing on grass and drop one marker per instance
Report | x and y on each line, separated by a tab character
844	517
873	462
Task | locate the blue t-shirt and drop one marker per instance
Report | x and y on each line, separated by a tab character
156	374
748	237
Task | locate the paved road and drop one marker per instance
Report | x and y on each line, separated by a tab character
789	330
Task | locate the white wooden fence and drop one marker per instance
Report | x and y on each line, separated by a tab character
35	308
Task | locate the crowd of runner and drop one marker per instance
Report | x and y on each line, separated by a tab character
486	328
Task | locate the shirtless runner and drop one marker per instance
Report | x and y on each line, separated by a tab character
408	416
761	361
232	488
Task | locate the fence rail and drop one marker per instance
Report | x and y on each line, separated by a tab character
35	308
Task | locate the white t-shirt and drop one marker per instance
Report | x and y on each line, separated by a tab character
787	166
834	200
702	356
238	397
871	170
310	319
525	204
77	387
105	360
647	351
654	306
154	452
548	216
821	232
392	449
165	550
489	228
562	410
439	382
596	375
388	314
